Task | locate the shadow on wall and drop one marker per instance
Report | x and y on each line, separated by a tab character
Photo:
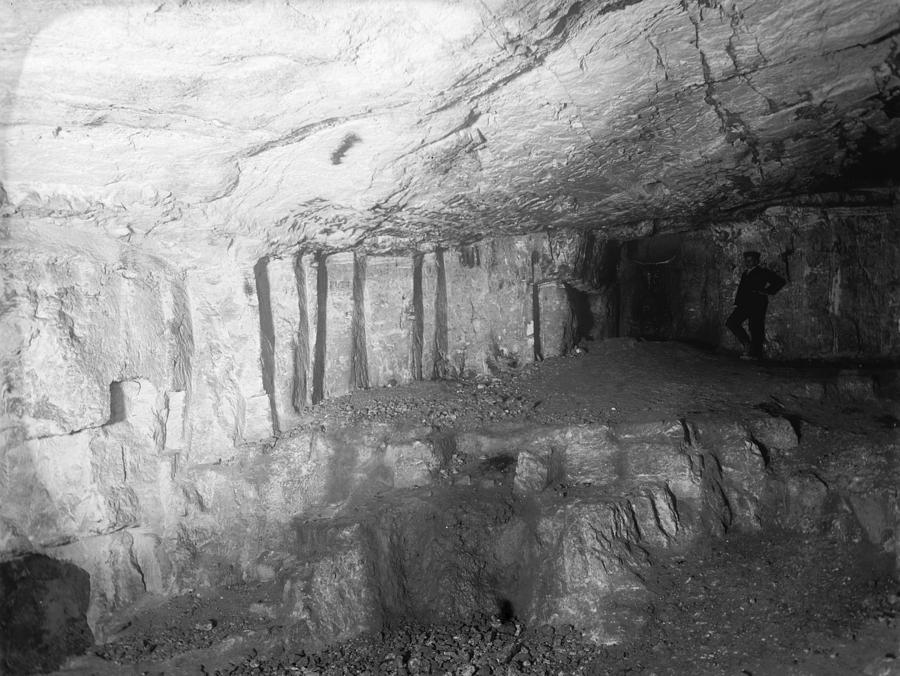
582	314
43	608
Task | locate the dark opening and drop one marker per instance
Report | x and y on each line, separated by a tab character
318	389
580	303
652	296
505	610
43	614
300	384
441	330
469	256
266	335
556	470
117	412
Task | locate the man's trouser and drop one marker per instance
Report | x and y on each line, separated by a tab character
756	320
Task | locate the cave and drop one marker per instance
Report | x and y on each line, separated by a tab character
390	337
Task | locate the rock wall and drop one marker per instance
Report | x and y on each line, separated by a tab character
151	435
127	376
842	266
119	370
346	321
131	383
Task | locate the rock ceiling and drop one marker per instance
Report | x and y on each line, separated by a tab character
390	122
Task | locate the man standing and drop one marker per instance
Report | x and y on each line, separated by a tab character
751	301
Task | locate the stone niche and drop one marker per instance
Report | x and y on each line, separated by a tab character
842	267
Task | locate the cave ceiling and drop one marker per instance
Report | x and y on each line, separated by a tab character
392	123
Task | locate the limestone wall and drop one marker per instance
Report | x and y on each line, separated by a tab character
228	352
89	351
140	393
128	376
841	299
120	371
348	320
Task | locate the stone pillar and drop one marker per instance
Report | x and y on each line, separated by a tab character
337	371
488	306
429	324
289	291
389	319
555	319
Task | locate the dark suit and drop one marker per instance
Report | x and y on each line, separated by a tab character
751	301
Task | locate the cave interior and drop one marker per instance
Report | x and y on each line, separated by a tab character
324	320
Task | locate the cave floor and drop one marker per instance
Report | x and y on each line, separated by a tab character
770	602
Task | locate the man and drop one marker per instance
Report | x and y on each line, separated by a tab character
751	301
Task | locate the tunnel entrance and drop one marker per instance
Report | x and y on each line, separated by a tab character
582	315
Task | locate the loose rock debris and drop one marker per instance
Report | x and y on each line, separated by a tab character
756	603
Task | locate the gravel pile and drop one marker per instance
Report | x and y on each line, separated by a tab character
465	403
487	648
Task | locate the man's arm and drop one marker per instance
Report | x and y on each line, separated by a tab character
774	283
